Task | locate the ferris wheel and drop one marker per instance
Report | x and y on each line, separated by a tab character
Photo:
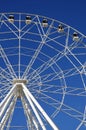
42	74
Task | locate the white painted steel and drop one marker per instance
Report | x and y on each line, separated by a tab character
26	61
30	96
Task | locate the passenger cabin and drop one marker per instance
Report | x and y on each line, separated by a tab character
60	28
75	36
28	19
45	23
11	19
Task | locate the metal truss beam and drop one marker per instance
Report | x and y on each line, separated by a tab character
31	97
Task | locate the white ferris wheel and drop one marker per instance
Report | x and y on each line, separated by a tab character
42	74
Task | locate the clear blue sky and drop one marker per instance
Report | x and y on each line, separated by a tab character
71	12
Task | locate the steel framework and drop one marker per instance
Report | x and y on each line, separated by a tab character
42	74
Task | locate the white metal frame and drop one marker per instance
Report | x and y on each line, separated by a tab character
33	104
40	79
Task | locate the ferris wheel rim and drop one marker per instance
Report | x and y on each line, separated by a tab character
47	18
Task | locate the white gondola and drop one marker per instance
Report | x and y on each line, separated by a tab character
60	28
75	36
28	19
11	19
45	23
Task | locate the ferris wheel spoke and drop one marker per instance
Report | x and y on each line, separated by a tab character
77	70
33	60
46	88
47	64
9	66
72	63
69	73
59	90
40	66
74	113
3	94
57	57
55	41
45	95
50	62
82	66
15	34
73	45
75	93
38	49
50	100
54	78
56	49
83	122
65	108
28	30
51	103
4	85
55	105
5	75
19	53
5	89
74	57
54	32
45	78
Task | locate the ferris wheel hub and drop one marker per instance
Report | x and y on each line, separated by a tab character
24	81
18	86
